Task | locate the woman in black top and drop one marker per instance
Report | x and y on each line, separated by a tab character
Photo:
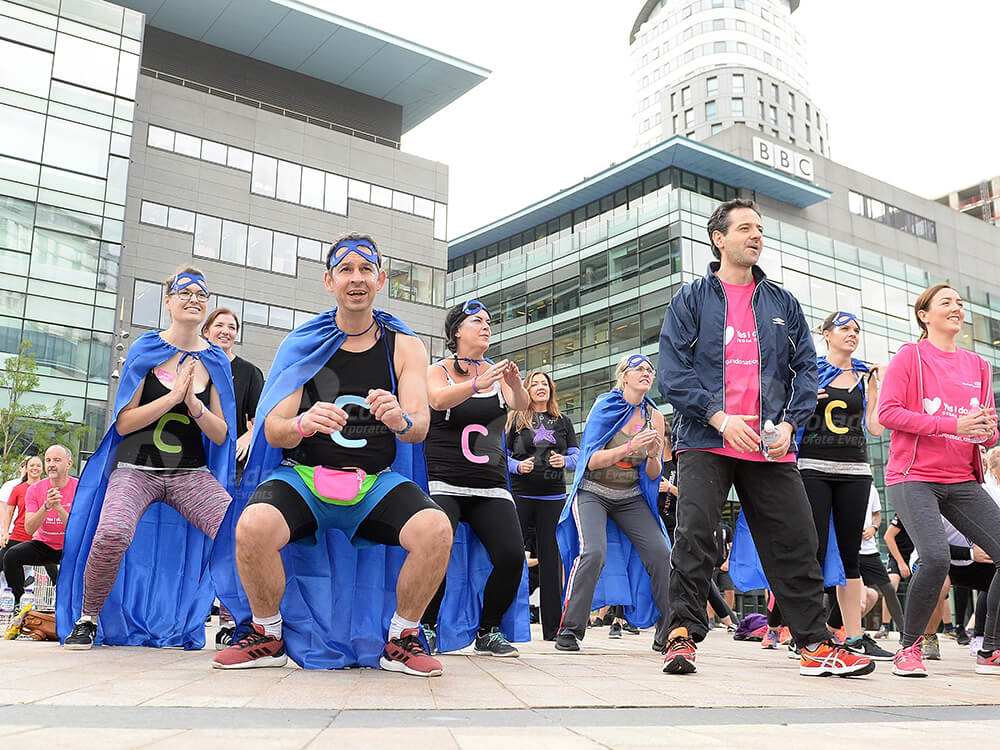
222	328
467	466
833	461
542	445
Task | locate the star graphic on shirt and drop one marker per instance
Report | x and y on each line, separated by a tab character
544	433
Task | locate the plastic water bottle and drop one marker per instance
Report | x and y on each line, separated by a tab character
769	436
6	607
28	597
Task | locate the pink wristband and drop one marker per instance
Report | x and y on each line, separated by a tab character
298	426
474	389
628	448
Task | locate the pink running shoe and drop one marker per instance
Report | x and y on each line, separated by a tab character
988	664
909	661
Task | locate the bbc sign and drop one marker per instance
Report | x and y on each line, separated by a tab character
782	158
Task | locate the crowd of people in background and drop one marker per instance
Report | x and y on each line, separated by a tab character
363	506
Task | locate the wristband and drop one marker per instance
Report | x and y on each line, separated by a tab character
722	428
409	424
628	448
200	414
298	426
474	389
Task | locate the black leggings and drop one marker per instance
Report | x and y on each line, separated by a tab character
847	496
494	521
543	515
28	553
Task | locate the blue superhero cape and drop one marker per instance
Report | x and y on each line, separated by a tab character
624	579
748	574
164	589
338	598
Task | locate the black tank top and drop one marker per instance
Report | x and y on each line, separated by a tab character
464	445
835	431
345	381
174	441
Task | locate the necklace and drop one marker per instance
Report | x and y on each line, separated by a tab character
364	331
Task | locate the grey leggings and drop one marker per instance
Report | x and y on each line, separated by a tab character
642	527
972	511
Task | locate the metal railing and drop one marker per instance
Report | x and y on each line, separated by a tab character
278	110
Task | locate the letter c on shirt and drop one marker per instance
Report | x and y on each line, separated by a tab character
828	413
158	441
466	451
338	437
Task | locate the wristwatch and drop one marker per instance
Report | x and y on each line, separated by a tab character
409	424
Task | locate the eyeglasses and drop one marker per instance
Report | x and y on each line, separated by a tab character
472	307
185	295
644	369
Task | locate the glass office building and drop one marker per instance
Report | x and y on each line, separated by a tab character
68	77
583	277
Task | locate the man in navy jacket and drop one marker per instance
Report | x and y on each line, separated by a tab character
736	353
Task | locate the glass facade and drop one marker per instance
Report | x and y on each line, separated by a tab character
574	302
68	77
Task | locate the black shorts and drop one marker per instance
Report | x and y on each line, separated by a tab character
382	525
722	580
976	576
873	573
893	567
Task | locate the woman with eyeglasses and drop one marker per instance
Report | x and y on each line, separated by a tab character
170	444
543	447
621	450
833	462
467	469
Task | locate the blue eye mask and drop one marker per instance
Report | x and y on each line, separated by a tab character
843	318
184	280
361	247
637	359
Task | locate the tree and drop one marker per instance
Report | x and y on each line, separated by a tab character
27	428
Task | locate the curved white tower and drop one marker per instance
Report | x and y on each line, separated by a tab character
704	65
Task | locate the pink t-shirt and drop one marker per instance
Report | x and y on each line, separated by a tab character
923	446
742	369
52	530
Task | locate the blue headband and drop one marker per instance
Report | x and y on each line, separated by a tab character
472	307
184	280
636	359
354	246
843	318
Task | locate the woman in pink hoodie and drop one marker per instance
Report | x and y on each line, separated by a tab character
938	401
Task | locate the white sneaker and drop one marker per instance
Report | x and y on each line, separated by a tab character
975	644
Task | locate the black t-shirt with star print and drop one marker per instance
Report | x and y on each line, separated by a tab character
549	434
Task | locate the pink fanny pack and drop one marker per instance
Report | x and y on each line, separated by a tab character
338	484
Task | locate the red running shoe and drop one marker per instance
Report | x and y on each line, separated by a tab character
680	653
406	654
830	658
251	650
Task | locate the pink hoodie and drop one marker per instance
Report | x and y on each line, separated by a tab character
924	392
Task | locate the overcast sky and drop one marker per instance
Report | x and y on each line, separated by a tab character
909	88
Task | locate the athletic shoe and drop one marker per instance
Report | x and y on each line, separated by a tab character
494	643
962	636
839	635
975	645
770	639
989	664
406	654
630	628
82	636
794	650
830	658
659	647
251	650
882	632
867	647
14	628
784	635
224	637
931	648
909	661
758	634
680	653
430	635
948	631
730	628
566	642
615	631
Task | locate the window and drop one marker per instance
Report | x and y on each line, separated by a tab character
760	87
718	24
711	110
673	101
808	112
153	213
310	249
772	114
146	303
213	152
741	48
283	256
79	148
719	47
312	187
741	26
207	236
234	242
674	120
791	123
64	258
736	109
716	127
741	4
254	312
381	196
711	86
264	176
791	101
775	93
160	138
689	118
335	196
181	220
808	133
237	158
763	112
289	185
685	96
738	83
281	317
187	145
259	248
86	63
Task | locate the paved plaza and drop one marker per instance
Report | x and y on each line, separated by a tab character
610	695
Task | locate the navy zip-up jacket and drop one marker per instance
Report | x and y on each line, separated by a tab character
691	369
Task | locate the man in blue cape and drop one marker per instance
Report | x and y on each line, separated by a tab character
624	579
345	401
163	589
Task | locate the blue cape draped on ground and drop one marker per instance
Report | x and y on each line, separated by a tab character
164	589
624	579
339	598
